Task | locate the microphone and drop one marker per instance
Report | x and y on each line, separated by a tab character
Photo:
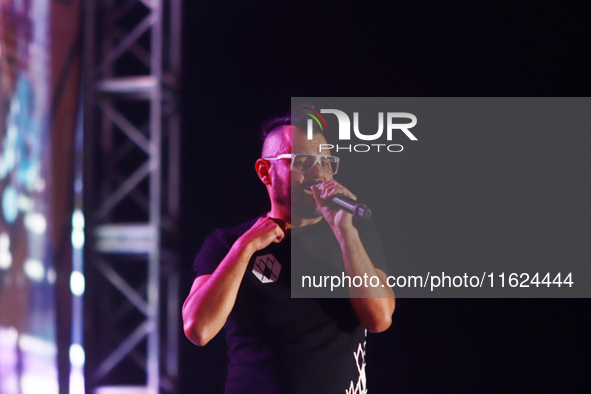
355	207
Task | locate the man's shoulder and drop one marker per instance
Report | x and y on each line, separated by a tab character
233	233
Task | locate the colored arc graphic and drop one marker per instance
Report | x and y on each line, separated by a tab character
316	119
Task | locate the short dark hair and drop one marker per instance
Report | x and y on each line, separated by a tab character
296	117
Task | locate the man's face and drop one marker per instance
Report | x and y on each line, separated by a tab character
302	200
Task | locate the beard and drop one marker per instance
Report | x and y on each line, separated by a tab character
295	199
303	204
282	194
305	211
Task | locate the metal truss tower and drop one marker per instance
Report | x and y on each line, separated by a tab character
131	194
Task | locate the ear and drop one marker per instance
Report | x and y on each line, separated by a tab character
263	169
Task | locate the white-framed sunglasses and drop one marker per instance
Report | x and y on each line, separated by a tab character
303	162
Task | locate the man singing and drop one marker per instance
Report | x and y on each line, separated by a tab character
276	343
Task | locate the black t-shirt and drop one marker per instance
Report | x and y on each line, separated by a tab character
280	344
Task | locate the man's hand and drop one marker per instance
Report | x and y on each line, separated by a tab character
338	219
262	233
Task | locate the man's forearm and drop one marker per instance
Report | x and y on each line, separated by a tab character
210	302
212	297
374	306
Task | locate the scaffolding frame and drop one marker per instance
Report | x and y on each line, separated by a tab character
132	54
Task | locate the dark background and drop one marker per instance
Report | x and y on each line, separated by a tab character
242	63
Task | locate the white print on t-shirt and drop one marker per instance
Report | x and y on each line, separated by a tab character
361	386
266	268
